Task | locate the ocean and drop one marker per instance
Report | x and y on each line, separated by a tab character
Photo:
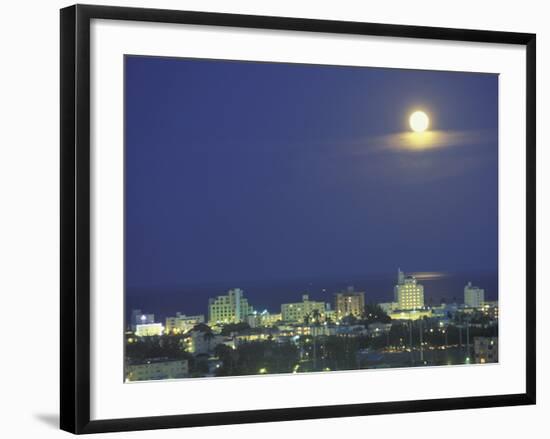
193	299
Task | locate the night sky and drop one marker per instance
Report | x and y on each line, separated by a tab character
243	171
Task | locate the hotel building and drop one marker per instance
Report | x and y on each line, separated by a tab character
297	312
474	297
414	314
231	308
408	294
349	302
182	323
149	329
263	319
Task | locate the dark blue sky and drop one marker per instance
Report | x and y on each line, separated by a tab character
242	171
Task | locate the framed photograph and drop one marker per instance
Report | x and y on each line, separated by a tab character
268	218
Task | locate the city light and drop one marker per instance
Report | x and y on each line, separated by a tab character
311	336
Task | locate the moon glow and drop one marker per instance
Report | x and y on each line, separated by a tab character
419	121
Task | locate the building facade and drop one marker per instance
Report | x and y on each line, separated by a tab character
490	308
157	370
411	314
138	317
408	293
474	297
349	302
149	329
389	307
201	340
231	308
486	350
263	319
297	312
182	323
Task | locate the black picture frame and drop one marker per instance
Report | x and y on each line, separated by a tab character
75	217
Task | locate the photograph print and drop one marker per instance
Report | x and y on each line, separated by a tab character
297	218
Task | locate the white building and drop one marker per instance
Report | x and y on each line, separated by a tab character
265	318
474	297
182	323
157	370
149	329
231	308
389	307
201	340
410	314
297	312
408	293
139	318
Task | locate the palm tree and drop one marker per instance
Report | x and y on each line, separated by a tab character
316	316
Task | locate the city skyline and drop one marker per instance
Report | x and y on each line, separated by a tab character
209	346
473	296
265	203
265	295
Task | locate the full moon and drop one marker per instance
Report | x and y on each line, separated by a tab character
419	121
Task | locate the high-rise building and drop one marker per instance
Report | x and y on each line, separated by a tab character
298	311
408	293
349	302
474	297
231	308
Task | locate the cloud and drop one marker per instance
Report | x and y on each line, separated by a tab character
411	141
412	158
